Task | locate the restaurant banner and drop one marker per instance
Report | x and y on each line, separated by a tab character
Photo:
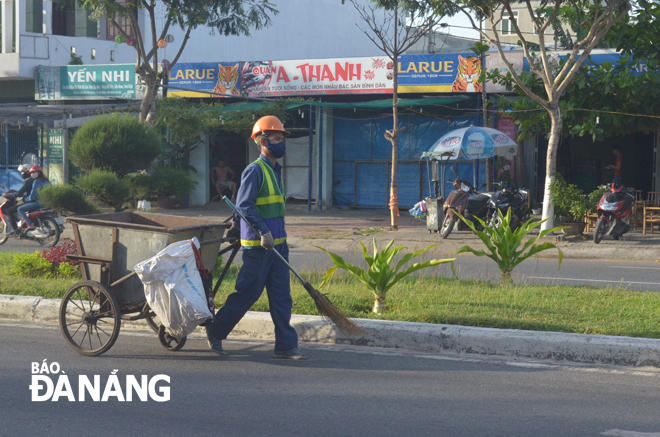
215	77
317	77
84	82
439	73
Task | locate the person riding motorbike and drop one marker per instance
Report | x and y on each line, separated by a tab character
25	189
32	200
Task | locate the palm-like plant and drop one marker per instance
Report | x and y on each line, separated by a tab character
381	277
503	243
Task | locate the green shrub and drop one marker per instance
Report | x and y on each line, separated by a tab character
67	200
140	185
570	202
32	265
107	187
118	143
66	270
594	198
162	183
170	182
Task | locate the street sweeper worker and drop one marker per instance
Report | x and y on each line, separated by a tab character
261	199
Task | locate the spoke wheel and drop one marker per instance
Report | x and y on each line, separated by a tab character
90	318
168	342
153	322
447	226
3	231
599	232
49	225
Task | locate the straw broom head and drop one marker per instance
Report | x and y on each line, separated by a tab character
327	309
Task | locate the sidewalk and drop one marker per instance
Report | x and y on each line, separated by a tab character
342	229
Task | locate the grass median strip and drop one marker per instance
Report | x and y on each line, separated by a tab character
428	299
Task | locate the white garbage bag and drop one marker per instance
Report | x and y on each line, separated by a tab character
173	288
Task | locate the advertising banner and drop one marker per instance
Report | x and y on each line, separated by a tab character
317	77
494	62
83	82
217	77
55	155
438	73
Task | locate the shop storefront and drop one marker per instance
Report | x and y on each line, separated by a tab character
351	111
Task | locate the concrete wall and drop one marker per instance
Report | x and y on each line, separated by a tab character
303	29
34	49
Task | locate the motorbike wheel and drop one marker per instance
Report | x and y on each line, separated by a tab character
3	231
48	223
447	226
599	231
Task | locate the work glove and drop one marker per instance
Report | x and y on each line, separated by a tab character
267	241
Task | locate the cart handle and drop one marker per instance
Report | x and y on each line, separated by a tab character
132	274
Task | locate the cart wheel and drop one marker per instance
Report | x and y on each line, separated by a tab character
90	318
154	323
170	343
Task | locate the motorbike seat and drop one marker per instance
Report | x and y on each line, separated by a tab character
628	202
477	201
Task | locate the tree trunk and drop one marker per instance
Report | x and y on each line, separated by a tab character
551	165
505	278
379	305
394	192
148	105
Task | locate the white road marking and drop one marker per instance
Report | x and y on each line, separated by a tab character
630	267
624	433
593	280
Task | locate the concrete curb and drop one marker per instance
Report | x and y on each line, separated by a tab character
581	348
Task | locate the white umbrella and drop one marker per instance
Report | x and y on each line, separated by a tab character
474	142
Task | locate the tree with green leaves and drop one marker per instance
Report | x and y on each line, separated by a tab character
597	17
394	26
227	17
603	100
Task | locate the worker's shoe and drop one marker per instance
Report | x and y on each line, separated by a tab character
215	344
290	354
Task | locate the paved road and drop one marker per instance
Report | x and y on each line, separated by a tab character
338	391
633	275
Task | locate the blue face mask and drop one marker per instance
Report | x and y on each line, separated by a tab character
277	150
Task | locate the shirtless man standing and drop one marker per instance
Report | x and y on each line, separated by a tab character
223	178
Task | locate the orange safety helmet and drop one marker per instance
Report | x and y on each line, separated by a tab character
268	123
35	168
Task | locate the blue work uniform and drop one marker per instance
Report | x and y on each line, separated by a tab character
261	268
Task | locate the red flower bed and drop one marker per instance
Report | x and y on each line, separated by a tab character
57	255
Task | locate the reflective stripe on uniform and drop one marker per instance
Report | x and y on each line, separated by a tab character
270	199
258	242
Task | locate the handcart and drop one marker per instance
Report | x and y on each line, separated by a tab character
108	247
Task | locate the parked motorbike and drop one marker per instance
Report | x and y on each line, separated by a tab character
466	201
48	224
614	209
505	198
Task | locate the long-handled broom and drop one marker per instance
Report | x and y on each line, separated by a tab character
323	304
